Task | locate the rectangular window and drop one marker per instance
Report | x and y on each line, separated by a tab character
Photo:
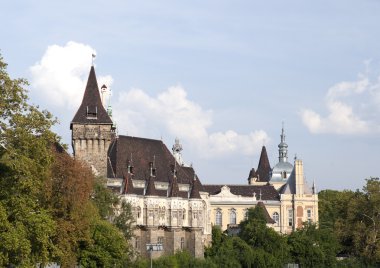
309	215
182	242
218	217
137	242
290	217
160	240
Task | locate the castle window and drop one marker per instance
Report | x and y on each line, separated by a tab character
309	215
92	112
218	217
290	217
160	240
182	242
137	242
276	218
138	212
233	216
184	214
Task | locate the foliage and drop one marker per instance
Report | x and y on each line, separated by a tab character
181	259
355	219
50	208
26	225
261	237
313	247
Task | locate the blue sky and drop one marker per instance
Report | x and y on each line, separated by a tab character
221	76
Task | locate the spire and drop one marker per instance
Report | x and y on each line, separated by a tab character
128	184
314	189
174	190
283	147
177	149
150	188
91	110
196	187
263	169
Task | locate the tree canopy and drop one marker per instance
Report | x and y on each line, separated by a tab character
51	208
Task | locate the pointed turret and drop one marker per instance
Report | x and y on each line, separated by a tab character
268	218
128	184
196	187
91	111
92	129
150	188
174	189
263	169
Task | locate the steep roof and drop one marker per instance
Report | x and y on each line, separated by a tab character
290	186
150	188
142	151
91	111
128	184
268	192
174	190
268	218
195	188
263	169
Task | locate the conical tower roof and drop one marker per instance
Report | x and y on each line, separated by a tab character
263	169
174	189
150	188
91	111
268	218
128	184
196	187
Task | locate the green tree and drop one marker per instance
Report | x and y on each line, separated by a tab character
264	239
25	160
313	247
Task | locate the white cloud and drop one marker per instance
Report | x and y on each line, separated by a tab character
60	76
351	109
59	80
137	114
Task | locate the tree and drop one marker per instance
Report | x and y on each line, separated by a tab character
313	247
25	160
265	241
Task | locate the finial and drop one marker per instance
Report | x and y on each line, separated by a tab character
93	57
314	187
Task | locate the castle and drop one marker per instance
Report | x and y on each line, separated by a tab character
170	205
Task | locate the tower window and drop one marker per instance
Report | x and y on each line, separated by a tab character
92	112
182	242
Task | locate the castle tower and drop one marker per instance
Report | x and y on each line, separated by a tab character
92	129
282	170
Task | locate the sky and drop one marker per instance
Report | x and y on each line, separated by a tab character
222	76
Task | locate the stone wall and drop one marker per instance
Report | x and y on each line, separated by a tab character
90	144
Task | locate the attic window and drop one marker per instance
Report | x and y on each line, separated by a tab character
92	112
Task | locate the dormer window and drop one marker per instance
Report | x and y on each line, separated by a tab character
92	112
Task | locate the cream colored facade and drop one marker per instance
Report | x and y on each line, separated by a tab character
296	204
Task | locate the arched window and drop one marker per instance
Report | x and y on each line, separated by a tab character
276	217
233	216
138	212
218	217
